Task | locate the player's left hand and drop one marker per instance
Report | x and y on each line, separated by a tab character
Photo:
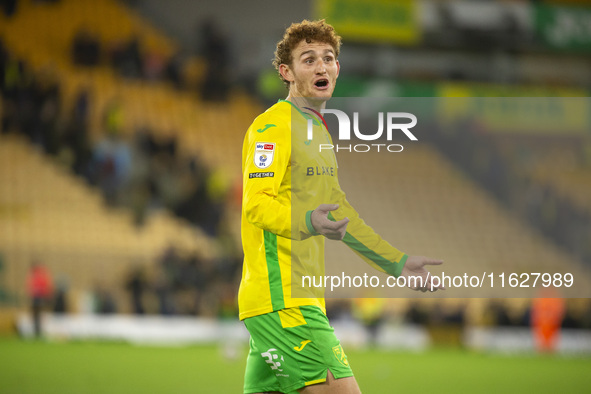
323	226
415	266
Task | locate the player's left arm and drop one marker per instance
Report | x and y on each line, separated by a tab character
377	252
364	241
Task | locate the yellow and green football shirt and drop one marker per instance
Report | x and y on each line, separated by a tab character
285	177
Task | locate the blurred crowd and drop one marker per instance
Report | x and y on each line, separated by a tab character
130	59
141	172
177	283
10	7
127	58
498	312
181	284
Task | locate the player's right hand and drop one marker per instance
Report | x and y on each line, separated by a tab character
415	266
324	226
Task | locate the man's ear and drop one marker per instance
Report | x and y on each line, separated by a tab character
338	68
286	72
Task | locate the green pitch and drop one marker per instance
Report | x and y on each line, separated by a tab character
94	367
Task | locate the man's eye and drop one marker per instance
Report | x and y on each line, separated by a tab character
328	59
309	61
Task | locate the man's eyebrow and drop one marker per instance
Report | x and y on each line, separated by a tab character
308	52
313	52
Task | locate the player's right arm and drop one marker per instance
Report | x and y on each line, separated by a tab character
266	156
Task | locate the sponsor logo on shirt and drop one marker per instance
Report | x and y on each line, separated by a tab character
302	345
320	170
263	154
265	128
261	175
275	361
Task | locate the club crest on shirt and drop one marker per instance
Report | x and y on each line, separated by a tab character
263	154
340	355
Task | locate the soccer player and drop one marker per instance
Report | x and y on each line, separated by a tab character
293	348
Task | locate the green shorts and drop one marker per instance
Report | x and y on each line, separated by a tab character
290	349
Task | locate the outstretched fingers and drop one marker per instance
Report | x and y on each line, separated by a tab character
416	265
432	286
430	261
337	225
336	230
326	208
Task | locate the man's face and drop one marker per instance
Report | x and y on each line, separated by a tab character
313	72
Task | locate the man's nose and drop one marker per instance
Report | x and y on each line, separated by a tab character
321	68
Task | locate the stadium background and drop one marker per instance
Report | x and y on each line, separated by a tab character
122	125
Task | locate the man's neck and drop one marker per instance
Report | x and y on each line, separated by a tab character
303	102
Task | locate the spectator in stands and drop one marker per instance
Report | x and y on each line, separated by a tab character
229	264
4	56
111	166
586	317
9	7
416	314
173	71
14	84
216	53
217	191
154	65
195	204
139	196
113	116
127	58
104	302
571	320
31	103
111	158
136	285
164	293
168	177
40	292
370	312
48	105
76	132
228	307
60	298
500	315
86	48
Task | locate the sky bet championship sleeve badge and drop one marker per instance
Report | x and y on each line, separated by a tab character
263	154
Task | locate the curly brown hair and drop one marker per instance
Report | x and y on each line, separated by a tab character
319	31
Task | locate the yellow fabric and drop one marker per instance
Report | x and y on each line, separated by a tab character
291	317
311	382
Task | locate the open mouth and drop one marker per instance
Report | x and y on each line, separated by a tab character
321	83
